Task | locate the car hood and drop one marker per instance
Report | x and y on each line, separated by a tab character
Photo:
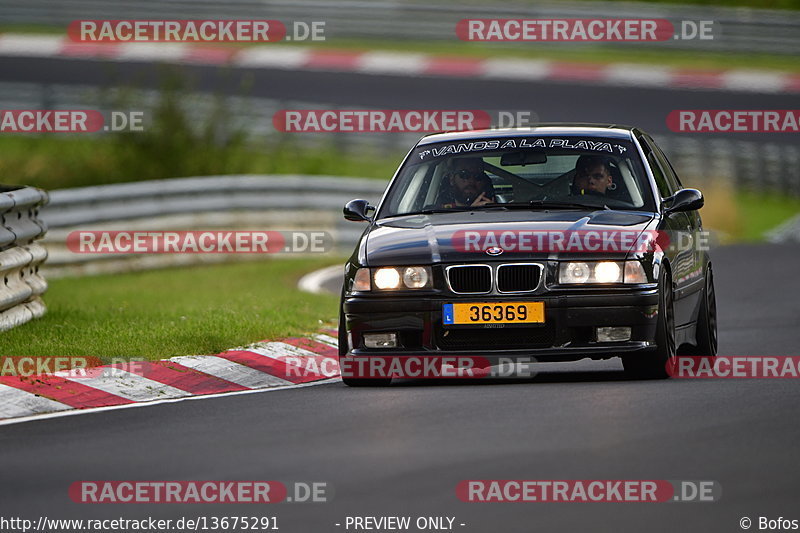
438	238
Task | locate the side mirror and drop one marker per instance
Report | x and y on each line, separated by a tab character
358	211
686	200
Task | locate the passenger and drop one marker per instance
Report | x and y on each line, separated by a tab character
592	176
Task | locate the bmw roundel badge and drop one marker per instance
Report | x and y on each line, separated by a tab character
494	250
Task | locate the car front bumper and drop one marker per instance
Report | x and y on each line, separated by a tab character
568	332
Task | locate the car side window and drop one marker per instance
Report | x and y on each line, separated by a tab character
664	189
661	181
666	166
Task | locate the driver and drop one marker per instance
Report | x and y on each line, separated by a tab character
579	179
468	184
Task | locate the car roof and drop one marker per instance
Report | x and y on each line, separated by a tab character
609	131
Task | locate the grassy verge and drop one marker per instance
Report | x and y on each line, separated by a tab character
762	212
53	162
176	143
164	313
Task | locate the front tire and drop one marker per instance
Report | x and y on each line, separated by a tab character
654	364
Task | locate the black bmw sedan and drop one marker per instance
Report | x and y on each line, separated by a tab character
553	243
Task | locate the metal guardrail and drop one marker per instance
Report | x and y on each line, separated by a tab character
279	202
736	29
144	199
21	286
751	165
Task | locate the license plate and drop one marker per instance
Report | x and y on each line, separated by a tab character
493	313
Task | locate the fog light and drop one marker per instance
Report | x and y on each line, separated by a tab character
613	334
382	340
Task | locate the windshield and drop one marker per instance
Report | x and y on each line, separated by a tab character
520	172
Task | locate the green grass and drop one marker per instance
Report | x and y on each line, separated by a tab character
761	212
175	143
164	313
54	162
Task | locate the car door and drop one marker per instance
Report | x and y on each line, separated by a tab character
693	239
679	229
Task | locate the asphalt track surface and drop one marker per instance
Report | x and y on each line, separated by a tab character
551	101
402	450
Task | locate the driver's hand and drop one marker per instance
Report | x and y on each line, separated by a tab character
481	200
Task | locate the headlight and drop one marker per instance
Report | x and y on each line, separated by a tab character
574	273
416	277
607	272
387	278
601	272
393	278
